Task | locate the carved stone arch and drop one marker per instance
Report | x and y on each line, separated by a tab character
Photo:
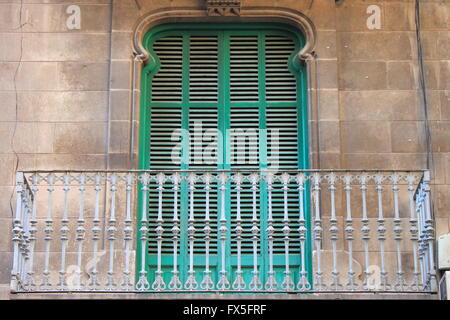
247	14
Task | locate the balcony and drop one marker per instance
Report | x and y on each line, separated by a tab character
296	232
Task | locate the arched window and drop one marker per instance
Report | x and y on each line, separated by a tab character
223	97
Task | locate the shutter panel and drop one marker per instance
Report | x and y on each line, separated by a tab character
282	124
203	155
244	68
244	136
203	69
167	83
203	124
281	84
165	147
244	128
164	154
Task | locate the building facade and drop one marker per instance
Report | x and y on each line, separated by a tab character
342	186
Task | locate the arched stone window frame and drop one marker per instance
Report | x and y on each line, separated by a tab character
298	20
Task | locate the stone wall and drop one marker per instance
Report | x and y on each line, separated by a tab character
66	105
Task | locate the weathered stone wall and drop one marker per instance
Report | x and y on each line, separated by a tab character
66	105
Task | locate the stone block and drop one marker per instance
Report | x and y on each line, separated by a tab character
125	14
375	46
434	105
8	100
119	161
329	136
63	106
399	16
401	76
390	161
53	76
65	47
328	105
435	15
5	267
10	46
120	105
441	195
120	137
408	136
358	75
322	13
442	226
366	136
5	196
121	45
27	137
440	133
120	75
94	17
432	74
83	76
5	239
326	44
7	72
352	16
379	105
78	138
445	104
330	160
56	161
444	75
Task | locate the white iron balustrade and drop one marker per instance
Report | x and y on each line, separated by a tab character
343	231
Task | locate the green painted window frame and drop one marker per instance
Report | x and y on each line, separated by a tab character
296	66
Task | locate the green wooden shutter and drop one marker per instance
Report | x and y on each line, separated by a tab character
227	79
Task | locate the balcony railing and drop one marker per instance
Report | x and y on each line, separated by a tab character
223	231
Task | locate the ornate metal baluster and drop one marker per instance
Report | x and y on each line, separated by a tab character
191	283
175	283
287	284
381	231
303	283
94	284
316	178
238	283
26	236
223	283
159	283
255	283
400	281
35	180
333	229
46	285
351	284
110	283
16	283
365	229
429	232
271	283
411	180
80	232
207	283
128	234
421	240
142	284
64	231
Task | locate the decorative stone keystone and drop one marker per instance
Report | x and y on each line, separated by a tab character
223	7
